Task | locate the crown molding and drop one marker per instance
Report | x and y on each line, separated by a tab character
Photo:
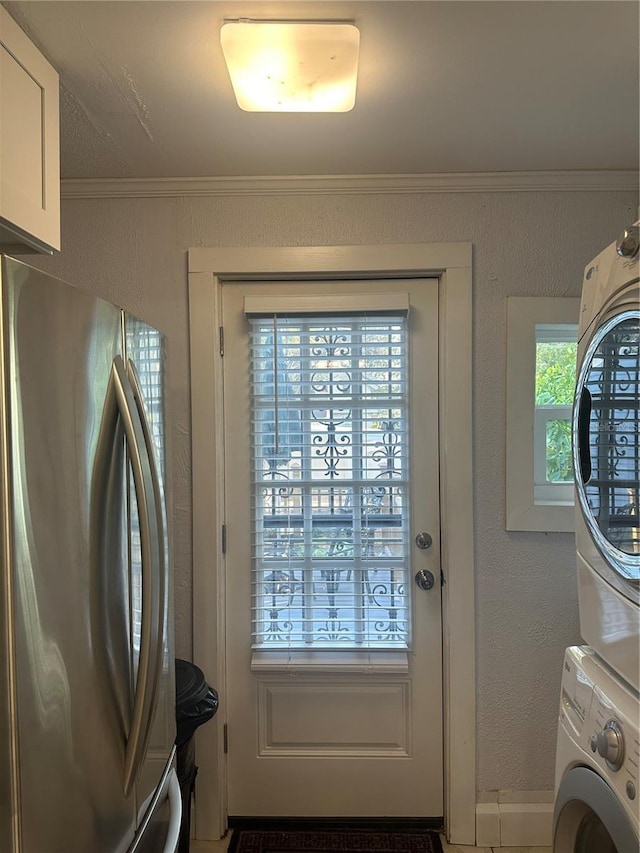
445	182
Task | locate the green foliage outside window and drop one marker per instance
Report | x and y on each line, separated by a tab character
555	373
555	384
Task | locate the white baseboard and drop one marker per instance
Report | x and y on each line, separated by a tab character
514	819
487	825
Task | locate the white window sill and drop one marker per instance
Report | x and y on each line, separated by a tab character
364	662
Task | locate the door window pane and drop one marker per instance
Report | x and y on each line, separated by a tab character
330	481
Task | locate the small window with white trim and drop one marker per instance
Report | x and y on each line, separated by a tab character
541	371
556	346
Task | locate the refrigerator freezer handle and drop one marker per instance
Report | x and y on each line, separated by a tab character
152	548
175	819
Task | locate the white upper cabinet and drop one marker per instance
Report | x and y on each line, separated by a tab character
29	144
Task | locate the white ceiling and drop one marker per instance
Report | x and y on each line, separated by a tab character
443	87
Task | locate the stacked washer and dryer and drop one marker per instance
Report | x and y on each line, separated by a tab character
597	806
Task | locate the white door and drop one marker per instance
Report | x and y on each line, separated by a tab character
334	659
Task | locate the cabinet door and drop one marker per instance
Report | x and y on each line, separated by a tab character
29	144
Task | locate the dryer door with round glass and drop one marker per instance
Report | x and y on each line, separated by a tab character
607	440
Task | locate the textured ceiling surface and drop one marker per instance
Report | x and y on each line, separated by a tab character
443	87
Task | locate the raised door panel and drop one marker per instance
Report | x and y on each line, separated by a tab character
334	717
29	144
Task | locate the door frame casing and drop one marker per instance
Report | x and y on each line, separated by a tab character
451	263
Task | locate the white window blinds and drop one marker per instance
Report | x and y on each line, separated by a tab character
329	481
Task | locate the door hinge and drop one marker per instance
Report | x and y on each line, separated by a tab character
225	738
221	330
223	538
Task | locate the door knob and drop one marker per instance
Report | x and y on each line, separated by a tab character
425	579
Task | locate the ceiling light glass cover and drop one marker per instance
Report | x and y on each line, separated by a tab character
292	67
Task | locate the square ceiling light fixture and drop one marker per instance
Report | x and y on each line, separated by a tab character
292	66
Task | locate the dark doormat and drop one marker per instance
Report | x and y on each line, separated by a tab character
333	841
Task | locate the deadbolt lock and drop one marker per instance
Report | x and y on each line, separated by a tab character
424	541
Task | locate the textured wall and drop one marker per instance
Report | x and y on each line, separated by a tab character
525	244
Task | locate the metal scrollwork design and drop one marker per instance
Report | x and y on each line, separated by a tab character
389	450
280	589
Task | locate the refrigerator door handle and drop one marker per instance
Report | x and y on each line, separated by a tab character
175	819
152	552
159	568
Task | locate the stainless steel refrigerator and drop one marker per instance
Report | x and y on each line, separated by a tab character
87	693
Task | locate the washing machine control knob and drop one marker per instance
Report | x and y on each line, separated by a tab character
629	242
609	743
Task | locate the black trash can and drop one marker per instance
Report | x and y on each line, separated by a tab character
196	702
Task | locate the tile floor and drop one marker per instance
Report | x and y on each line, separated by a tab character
221	846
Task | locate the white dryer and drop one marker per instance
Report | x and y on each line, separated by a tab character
597	804
606	455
